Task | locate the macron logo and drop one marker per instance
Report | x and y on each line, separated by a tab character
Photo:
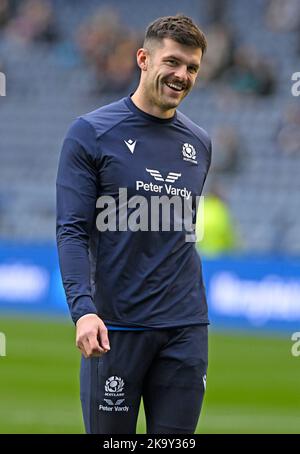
130	144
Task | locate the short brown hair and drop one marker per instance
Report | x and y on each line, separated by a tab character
180	28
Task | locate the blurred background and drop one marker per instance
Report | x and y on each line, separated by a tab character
64	58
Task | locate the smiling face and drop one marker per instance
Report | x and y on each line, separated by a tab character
169	72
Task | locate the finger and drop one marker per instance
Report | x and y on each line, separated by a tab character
103	338
86	348
94	348
89	347
81	348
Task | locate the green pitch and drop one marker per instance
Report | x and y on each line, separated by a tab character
252	383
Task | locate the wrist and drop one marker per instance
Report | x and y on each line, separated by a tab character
87	315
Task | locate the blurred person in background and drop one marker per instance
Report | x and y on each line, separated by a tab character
220	53
217	10
226	150
109	47
137	296
250	74
217	225
5	12
283	15
120	65
34	22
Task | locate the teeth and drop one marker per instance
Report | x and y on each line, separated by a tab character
176	87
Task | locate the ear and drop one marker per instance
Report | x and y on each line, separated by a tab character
142	58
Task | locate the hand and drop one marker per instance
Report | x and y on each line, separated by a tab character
91	336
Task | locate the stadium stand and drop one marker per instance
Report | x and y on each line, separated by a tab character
50	82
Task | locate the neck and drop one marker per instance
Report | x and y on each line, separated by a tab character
141	101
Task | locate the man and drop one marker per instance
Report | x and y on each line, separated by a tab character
136	294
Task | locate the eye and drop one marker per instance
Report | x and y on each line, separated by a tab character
172	62
193	70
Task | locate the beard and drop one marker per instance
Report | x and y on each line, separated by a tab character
164	97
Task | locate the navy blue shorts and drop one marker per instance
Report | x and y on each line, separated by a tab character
167	368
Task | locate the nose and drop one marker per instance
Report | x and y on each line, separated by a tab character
181	72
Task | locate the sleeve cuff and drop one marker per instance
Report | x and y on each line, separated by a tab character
83	305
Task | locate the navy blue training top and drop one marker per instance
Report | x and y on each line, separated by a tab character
143	277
